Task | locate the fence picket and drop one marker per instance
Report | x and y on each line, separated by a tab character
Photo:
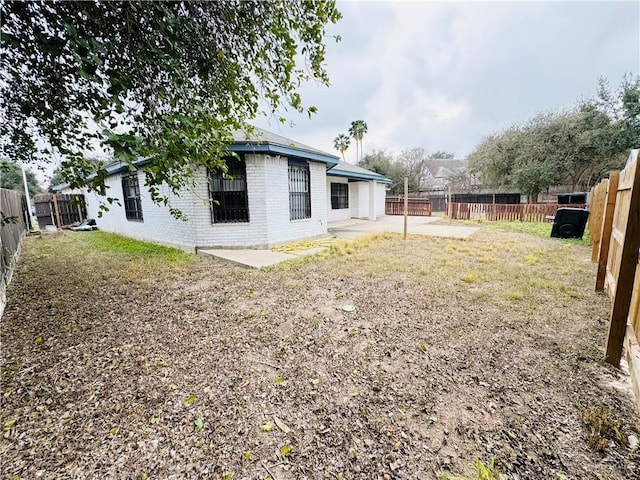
61	209
532	212
12	204
605	229
416	207
622	260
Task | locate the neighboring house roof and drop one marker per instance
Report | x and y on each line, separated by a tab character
346	170
261	141
444	172
449	163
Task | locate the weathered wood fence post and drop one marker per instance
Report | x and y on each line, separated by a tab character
605	229
623	256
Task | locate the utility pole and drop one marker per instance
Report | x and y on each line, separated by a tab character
28	220
26	186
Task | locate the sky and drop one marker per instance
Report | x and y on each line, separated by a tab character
444	75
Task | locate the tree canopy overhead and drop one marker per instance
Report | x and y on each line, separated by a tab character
11	178
411	163
167	81
384	163
576	147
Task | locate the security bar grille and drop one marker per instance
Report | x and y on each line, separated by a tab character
299	192
228	193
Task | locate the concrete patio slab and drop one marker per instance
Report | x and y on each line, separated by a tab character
247	257
347	229
386	223
253	258
446	231
351	229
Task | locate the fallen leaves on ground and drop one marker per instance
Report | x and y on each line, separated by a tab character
145	370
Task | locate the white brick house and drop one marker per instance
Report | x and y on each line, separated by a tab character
280	191
363	195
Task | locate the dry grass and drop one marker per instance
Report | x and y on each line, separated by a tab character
127	360
483	472
602	429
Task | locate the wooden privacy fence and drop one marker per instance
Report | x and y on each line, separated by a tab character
417	207
616	201
530	212
597	204
60	209
13	227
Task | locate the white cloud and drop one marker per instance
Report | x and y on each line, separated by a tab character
443	75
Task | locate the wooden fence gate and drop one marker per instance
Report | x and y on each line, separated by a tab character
617	202
416	207
60	209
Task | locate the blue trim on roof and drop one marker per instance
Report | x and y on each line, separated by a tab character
359	176
238	147
111	170
122	166
300	162
61	186
282	150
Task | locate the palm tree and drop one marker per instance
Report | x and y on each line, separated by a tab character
357	131
341	142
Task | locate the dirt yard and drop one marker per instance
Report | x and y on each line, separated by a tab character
122	360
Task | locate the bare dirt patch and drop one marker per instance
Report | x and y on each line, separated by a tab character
134	364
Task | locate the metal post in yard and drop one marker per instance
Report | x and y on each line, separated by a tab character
450	207
406	204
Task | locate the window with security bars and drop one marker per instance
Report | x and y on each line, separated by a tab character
299	192
228	193
339	196
131	196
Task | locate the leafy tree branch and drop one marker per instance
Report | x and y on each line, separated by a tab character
165	81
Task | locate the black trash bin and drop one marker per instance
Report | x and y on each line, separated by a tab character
569	223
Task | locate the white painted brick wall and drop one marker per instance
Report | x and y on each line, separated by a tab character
354	199
241	234
363	199
381	195
280	228
359	199
342	213
268	196
157	225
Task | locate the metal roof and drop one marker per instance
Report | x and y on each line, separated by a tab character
258	141
346	170
262	141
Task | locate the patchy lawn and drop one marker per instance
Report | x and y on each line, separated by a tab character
126	360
